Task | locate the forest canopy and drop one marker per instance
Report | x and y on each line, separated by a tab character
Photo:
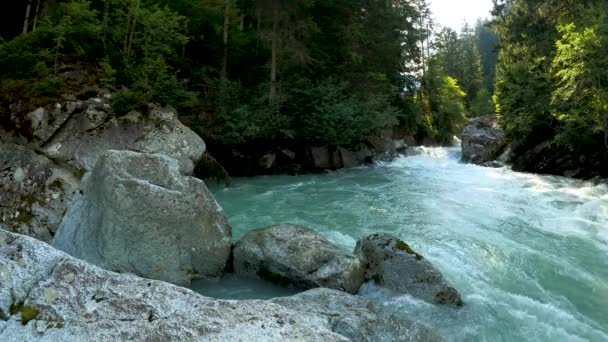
315	72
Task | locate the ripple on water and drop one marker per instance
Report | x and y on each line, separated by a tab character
529	253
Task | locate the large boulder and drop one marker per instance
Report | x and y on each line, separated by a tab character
352	158
482	140
90	129
392	264
137	213
357	318
46	295
295	255
321	158
34	191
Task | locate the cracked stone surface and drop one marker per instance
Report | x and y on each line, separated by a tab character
137	213
297	256
77	301
394	265
91	130
40	173
34	191
482	140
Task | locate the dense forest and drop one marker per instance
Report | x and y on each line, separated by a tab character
329	73
318	73
552	83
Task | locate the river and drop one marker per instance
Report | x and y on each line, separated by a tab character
528	253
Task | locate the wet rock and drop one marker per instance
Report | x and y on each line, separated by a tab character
392	264
295	255
288	153
357	318
482	140
55	297
136	213
360	156
34	191
268	160
321	158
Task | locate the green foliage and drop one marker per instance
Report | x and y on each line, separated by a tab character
327	115
345	70
443	115
449	118
126	101
482	103
20	56
551	81
245	116
580	99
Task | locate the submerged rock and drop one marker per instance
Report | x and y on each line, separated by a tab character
46	295
392	264
482	140
136	213
34	191
295	255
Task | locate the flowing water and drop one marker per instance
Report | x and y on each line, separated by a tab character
528	253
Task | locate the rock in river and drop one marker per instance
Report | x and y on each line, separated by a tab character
46	295
482	140
296	255
392	264
137	213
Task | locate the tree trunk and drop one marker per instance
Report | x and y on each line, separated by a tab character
128	26
226	27
133	24
275	46
27	16
242	23
257	32
104	25
36	15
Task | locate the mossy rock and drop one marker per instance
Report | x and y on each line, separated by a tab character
28	313
407	249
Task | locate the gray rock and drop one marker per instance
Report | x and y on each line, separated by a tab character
268	160
89	129
34	191
360	156
392	264
295	255
46	295
321	158
288	153
482	140
136	213
356	317
413	151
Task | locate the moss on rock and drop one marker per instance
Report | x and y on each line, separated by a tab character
28	313
407	249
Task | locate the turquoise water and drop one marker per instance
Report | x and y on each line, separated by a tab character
528	253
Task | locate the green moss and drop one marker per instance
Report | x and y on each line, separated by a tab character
56	185
28	313
266	274
407	249
24	217
31	199
26	214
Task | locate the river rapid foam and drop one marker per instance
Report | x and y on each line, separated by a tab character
529	253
